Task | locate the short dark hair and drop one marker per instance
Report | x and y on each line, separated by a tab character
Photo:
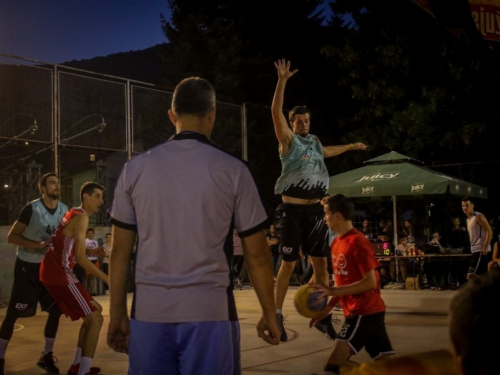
91	230
89	187
467	198
342	204
473	315
193	96
42	181
298	110
107	234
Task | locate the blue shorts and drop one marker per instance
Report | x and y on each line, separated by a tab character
184	348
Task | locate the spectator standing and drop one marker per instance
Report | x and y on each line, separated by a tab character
92	250
458	238
382	224
31	233
303	269
273	241
302	184
367	230
480	235
403	250
106	252
436	271
389	229
238	261
56	274
409	231
183	294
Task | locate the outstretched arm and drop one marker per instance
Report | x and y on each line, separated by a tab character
281	128
329	151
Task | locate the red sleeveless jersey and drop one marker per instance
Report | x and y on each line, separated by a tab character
57	265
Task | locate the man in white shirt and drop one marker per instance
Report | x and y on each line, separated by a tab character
92	250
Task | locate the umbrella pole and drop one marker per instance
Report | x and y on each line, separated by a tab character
395	232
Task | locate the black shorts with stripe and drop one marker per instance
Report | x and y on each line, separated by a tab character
479	263
28	290
301	226
366	331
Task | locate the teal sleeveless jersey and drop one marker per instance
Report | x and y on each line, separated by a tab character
40	228
303	170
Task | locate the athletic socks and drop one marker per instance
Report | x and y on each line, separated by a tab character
3	347
49	345
78	357
279	311
85	365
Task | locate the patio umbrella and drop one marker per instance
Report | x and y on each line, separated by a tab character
396	175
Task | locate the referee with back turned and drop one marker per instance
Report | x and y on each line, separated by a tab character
181	199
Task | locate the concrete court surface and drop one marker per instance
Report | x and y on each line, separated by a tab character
416	321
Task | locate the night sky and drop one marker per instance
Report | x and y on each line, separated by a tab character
57	31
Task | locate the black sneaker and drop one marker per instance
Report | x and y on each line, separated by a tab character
284	336
73	370
325	325
238	284
46	362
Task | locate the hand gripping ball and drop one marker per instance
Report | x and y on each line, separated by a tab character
309	302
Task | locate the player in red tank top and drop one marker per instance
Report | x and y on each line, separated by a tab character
57	268
56	273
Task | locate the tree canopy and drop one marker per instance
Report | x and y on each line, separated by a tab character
382	72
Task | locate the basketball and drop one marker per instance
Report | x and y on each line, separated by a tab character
308	302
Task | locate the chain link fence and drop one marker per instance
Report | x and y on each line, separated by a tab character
85	125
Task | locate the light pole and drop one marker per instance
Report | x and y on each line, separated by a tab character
99	127
31	129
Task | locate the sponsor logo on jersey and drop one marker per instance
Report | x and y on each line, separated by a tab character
287	250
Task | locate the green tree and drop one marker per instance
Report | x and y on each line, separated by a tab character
234	43
415	87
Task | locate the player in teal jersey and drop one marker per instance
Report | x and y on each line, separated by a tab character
302	185
32	233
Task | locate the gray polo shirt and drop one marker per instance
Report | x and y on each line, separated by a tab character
181	197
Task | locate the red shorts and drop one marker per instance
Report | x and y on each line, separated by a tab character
73	300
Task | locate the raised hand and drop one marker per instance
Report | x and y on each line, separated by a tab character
283	68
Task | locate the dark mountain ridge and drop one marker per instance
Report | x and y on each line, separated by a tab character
141	65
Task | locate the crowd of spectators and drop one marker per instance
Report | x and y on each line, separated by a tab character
413	236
